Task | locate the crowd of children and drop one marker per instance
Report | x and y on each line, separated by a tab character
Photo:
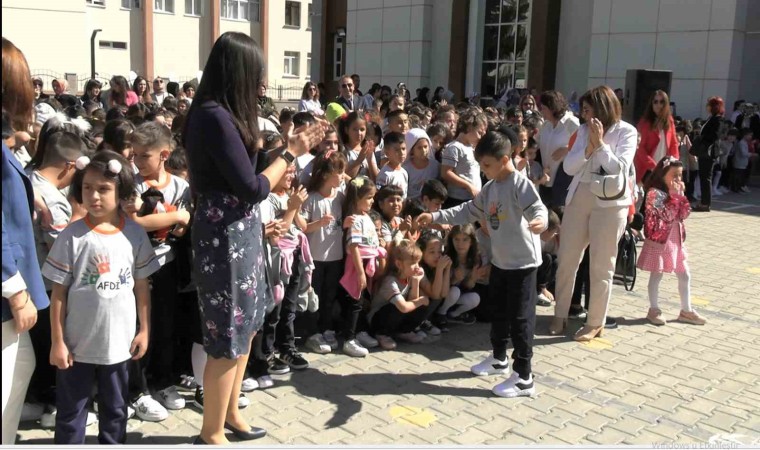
402	223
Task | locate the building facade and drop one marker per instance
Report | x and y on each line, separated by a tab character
168	38
490	46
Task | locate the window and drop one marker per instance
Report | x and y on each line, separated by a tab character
113	44
193	8
505	46
129	4
338	57
308	17
291	64
96	2
241	10
166	6
292	14
308	64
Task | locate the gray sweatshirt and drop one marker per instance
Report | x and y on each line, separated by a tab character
506	207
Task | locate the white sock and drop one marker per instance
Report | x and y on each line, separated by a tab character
684	290
198	358
653	288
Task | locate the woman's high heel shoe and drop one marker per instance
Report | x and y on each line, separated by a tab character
558	326
588	333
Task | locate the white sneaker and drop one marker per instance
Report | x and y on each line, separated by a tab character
515	387
149	410
724	190
355	349
170	398
317	344
32	411
366	340
331	340
47	420
249	384
490	366
243	401
717	193
265	382
745	189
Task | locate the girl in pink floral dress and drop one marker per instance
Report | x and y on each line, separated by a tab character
664	250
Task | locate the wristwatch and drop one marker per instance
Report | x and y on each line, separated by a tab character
287	156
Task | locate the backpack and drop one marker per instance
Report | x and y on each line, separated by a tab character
625	266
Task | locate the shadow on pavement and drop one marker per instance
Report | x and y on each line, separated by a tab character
337	390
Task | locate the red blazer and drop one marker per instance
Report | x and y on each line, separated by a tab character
650	139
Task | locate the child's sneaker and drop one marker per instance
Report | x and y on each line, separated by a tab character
386	342
691	317
170	398
366	340
249	384
490	366
654	316
515	387
355	349
198	399
186	383
439	320
430	329
331	340
542	300
294	360
47	420
265	382
243	401
411	337
317	344
277	366
32	411
465	318
149	410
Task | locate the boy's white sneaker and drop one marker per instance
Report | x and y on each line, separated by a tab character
170	398
317	344
149	410
47	420
490	366
249	384
515	387
355	349
265	382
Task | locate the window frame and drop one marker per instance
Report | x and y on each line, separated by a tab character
163	9
294	61
518	64
194	13
296	4
249	4
96	3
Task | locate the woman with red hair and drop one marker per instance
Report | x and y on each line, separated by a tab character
658	135
708	136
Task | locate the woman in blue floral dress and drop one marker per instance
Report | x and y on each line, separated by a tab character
227	235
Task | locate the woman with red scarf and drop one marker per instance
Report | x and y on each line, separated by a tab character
658	135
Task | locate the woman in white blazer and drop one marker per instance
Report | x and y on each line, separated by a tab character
603	142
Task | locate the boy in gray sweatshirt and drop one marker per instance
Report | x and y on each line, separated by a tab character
511	210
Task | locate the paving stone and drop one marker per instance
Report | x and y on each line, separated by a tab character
609	436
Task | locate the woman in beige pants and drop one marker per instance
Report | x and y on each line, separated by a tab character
604	141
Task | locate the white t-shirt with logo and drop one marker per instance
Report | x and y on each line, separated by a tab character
100	272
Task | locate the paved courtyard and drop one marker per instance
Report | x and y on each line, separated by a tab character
640	384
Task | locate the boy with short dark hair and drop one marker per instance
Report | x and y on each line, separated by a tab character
398	121
392	172
511	210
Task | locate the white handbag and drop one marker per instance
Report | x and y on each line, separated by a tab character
609	187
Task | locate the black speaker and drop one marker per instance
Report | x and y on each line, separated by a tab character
640	84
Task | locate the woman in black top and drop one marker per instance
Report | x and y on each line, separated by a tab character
221	136
709	136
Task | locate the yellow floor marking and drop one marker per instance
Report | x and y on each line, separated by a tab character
754	270
598	344
411	415
699	301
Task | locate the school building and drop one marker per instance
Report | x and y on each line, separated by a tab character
168	38
488	46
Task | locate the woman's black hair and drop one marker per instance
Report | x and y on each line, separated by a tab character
231	78
125	180
120	97
471	259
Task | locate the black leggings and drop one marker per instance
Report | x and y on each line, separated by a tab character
705	179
